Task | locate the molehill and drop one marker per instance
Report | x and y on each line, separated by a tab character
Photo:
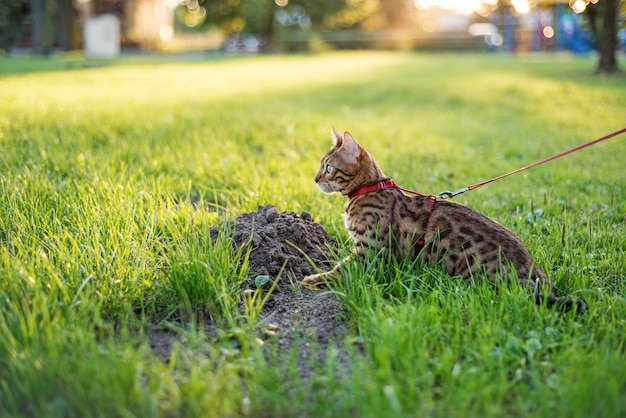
281	238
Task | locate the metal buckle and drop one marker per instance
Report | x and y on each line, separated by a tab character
447	194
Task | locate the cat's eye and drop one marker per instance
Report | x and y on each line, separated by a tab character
329	169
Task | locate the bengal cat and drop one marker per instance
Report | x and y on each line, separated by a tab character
378	213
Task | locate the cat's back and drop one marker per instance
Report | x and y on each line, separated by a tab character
473	241
464	224
448	227
390	207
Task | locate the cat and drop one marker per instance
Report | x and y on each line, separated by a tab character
378	213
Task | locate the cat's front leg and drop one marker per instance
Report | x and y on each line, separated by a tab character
316	281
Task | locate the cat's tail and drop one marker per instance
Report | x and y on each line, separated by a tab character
563	304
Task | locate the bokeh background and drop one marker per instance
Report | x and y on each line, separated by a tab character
109	27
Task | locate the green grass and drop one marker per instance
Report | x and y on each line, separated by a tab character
100	241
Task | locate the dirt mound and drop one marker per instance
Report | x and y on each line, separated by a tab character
282	238
302	317
299	317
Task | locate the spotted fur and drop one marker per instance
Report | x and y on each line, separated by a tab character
467	243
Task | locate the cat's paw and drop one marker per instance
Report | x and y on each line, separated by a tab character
314	282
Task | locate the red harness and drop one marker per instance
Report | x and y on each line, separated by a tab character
390	184
381	185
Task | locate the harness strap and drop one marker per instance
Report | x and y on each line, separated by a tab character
390	184
431	204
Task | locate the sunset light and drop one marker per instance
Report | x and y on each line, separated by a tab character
521	6
467	7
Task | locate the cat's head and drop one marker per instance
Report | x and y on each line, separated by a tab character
346	167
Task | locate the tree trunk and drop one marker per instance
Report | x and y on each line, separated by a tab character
44	25
270	29
592	17
607	44
68	25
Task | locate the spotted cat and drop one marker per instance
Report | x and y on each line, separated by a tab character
467	243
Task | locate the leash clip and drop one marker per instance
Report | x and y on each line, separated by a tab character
447	194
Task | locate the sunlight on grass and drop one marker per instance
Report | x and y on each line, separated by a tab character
112	177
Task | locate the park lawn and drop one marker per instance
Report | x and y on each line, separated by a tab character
103	169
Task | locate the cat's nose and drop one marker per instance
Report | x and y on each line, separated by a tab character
317	178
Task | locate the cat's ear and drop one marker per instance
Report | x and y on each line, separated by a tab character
337	138
351	149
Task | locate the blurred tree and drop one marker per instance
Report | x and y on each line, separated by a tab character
334	14
258	16
11	15
395	12
55	24
69	31
607	45
605	32
44	16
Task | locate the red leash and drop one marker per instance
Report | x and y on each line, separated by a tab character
390	184
386	184
448	194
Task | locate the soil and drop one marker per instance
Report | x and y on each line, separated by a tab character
277	239
286	247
